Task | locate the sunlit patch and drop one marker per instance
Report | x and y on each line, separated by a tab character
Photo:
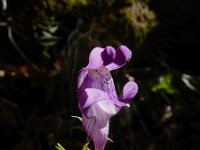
2	73
186	79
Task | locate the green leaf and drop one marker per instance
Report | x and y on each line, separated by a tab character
46	34
53	29
109	140
59	147
77	117
164	84
85	146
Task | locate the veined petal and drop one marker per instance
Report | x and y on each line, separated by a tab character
98	134
93	86
97	78
123	55
106	82
96	122
100	57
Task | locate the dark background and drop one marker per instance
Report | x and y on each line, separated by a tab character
44	43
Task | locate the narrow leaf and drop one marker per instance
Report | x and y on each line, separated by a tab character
77	117
85	146
110	140
59	147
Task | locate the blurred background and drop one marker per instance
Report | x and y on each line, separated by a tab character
44	43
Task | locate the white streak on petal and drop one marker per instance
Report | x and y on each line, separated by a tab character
96	122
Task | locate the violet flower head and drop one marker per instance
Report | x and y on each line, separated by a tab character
97	97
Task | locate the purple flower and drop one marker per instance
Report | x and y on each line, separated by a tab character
97	97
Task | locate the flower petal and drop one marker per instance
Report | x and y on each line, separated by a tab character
108	55
107	83
93	86
102	111
98	134
123	55
81	77
96	122
100	57
90	96
129	90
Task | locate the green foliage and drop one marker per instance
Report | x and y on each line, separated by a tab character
73	3
164	84
110	140
77	117
59	147
47	37
85	146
